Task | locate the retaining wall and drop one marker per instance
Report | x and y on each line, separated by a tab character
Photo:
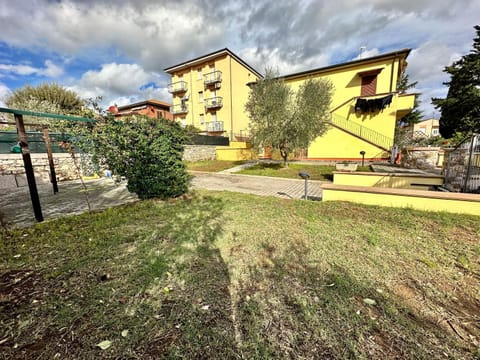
387	180
199	152
416	199
12	170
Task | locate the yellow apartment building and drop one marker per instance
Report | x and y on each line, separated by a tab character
365	107
210	93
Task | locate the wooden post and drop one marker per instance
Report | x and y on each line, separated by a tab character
27	163
53	176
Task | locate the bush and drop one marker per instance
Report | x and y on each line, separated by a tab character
148	152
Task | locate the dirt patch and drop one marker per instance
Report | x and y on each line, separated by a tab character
18	287
459	315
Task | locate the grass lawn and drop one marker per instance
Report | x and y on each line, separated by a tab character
220	275
212	165
317	172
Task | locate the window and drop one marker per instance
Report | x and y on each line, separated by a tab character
202	119
369	82
159	114
214	116
199	74
200	96
369	85
435	132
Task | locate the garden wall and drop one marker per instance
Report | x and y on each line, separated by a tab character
199	152
12	171
415	199
388	180
422	157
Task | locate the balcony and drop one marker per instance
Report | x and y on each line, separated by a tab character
214	126
213	78
177	87
213	103
179	109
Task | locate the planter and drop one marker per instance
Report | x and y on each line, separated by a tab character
346	167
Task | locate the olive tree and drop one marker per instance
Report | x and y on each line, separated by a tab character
286	119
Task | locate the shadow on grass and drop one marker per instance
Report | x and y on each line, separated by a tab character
271	166
145	277
292	308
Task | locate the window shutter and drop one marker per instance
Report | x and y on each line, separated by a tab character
369	85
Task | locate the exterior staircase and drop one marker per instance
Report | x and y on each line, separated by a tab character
359	131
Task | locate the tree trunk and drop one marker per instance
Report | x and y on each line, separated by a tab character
284	154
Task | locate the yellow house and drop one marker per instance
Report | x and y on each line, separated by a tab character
365	107
426	128
210	93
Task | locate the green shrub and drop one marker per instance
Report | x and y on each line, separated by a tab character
148	152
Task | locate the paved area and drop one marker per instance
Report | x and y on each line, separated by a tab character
16	206
258	185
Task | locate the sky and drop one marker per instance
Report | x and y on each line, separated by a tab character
118	49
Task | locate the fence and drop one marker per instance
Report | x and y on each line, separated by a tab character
209	140
462	168
36	142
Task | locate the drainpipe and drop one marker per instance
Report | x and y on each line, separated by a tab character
231	104
391	74
191	97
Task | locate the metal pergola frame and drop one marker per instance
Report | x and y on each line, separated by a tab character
27	161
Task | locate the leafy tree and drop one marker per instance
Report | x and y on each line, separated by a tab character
148	152
46	97
403	130
461	108
415	115
285	119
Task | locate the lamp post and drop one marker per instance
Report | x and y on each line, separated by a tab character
363	156
305	175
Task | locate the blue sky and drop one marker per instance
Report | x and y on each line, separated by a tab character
118	49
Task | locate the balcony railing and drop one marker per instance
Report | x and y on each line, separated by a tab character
213	77
214	126
177	87
179	109
213	103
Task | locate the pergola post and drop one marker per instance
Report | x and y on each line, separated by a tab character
53	175
27	163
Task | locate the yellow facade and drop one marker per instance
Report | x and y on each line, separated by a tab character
417	199
388	180
210	93
426	128
353	131
236	151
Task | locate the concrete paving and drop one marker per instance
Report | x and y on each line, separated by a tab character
16	206
258	185
15	203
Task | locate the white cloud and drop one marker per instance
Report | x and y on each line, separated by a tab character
121	84
4	93
50	70
366	53
290	36
426	65
262	59
151	33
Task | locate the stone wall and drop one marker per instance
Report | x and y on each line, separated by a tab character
199	152
423	158
12	171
